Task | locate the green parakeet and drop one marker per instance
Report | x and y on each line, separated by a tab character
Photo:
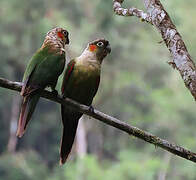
43	70
80	83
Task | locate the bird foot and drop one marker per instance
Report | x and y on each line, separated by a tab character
91	109
62	49
55	92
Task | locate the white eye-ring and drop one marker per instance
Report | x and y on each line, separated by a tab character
65	33
100	44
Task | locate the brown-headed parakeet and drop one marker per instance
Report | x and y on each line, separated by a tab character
43	70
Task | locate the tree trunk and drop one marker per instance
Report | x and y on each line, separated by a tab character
163	172
12	142
81	143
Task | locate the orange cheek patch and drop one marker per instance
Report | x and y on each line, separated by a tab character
60	35
93	47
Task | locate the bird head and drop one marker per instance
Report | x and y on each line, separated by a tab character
59	34
100	47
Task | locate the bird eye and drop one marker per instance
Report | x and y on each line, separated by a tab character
100	44
65	33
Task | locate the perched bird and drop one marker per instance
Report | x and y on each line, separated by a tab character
80	83
43	70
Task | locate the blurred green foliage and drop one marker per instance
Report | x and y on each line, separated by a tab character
137	86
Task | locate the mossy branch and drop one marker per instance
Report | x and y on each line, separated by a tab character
131	130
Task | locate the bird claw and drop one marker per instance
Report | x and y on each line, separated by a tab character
91	109
55	92
63	50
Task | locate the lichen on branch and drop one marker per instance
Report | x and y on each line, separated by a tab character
130	12
157	16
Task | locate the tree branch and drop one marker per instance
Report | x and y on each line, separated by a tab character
130	12
131	130
158	17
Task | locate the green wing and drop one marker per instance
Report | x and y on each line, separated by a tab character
43	70
37	58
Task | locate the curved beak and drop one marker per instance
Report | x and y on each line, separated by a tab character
108	48
67	42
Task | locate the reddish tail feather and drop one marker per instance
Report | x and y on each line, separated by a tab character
27	109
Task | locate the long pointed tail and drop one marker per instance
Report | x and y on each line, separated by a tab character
70	123
27	109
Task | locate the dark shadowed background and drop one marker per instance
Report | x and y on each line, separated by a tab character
137	86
